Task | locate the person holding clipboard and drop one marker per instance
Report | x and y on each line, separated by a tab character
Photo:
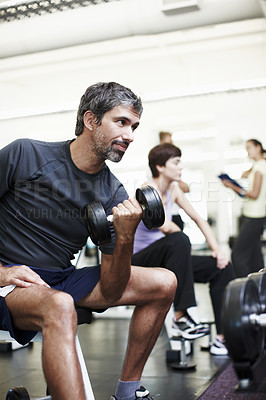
247	254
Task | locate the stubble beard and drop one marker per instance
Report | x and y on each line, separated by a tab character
107	153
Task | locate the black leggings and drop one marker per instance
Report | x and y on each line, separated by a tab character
174	253
247	254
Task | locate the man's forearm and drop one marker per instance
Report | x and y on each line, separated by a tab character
115	276
116	269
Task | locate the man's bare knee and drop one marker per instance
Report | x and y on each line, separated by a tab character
168	285
60	312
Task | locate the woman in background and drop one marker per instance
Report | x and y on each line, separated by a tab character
247	253
168	247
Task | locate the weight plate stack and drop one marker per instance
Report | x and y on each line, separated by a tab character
244	340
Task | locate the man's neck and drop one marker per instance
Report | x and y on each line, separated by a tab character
83	157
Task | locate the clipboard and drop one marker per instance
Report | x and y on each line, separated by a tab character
227	177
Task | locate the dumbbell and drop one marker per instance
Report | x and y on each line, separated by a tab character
99	223
21	393
243	321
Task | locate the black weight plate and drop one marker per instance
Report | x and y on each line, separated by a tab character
244	341
153	210
97	223
18	393
260	279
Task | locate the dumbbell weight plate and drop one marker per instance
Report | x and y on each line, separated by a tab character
18	393
244	340
99	227
153	210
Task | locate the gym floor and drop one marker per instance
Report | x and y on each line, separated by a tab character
103	344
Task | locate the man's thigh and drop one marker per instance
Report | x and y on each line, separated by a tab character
29	305
22	311
145	284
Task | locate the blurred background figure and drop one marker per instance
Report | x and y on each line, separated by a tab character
166	137
168	247
247	254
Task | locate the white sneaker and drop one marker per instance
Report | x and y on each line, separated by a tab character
188	328
218	347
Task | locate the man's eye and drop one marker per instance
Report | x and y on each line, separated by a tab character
121	122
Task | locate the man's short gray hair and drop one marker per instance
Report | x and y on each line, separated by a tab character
102	97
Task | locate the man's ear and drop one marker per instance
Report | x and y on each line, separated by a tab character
89	120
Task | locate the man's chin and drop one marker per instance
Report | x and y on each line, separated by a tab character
116	156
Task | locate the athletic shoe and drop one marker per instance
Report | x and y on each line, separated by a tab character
188	328
141	393
218	347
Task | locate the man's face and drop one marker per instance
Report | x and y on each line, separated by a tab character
116	131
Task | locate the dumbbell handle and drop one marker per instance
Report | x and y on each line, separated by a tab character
258	319
110	218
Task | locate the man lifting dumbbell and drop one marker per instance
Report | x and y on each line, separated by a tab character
44	190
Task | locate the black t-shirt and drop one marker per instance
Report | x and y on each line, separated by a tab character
42	200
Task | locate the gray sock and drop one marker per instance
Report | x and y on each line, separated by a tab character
125	390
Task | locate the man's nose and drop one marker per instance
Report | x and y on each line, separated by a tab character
128	134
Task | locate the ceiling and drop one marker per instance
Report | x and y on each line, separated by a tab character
93	21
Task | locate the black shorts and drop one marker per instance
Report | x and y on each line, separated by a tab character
76	282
